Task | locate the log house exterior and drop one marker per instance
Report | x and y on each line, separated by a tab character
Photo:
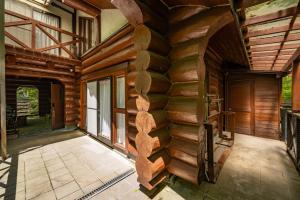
176	60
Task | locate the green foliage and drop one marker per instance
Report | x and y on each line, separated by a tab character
31	95
287	89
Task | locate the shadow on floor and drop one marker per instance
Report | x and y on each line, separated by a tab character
36	125
12	173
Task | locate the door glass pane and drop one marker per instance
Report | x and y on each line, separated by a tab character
91	117
121	131
92	121
120	92
92	95
105	109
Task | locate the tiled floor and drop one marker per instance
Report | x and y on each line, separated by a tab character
58	166
68	165
257	169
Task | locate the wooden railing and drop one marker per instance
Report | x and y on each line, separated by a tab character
292	124
45	29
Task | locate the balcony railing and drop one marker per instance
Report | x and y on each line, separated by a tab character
38	36
290	123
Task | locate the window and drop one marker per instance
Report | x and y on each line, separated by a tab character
42	40
120	112
85	31
106	116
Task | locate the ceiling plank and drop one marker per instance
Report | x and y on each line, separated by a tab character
274	47
207	3
101	4
271	30
249	3
290	62
286	35
272	16
83	6
272	40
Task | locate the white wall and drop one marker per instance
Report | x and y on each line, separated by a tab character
111	21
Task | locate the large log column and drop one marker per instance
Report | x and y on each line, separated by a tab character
151	85
2	85
296	88
190	32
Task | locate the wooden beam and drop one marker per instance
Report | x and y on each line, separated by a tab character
2	86
16	40
272	30
80	5
249	3
210	3
57	42
17	23
137	13
290	62
271	53
100	4
272	16
287	33
25	53
273	47
276	39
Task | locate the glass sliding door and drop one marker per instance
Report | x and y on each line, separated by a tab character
105	109
106	116
120	112
99	115
91	117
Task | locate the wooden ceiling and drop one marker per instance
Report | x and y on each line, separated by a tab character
206	3
100	4
228	45
271	33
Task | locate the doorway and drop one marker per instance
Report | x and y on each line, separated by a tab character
106	110
255	99
57	106
240	94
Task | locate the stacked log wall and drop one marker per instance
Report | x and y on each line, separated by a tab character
25	66
44	87
185	107
117	49
215	87
151	85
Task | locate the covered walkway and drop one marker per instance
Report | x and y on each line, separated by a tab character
68	165
257	169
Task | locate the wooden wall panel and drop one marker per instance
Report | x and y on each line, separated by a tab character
296	88
264	104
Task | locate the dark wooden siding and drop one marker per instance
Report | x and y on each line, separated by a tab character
265	99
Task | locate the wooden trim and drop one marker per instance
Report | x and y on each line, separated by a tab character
26	53
116	71
17	23
16	40
271	30
287	34
2	88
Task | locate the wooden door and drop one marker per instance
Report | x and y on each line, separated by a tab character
240	100
57	106
267	107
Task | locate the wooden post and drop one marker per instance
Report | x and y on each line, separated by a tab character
2	84
296	88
